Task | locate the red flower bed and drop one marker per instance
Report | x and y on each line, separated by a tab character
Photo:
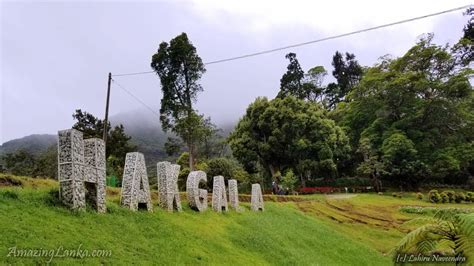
312	190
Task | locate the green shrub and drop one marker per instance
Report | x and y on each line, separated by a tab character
289	180
444	197
459	197
9	194
52	198
450	194
434	196
470	196
419	195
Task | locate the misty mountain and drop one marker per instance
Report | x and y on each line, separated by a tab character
142	125
35	144
145	129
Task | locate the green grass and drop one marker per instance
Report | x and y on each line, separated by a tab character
33	219
375	220
303	230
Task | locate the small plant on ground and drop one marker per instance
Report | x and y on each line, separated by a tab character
419	195
444	197
434	196
450	194
459	197
9	194
289	180
470	196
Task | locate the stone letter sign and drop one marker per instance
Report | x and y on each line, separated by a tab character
168	186
135	186
256	200
81	170
197	197
233	194
219	198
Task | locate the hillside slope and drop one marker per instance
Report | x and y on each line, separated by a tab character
35	144
31	218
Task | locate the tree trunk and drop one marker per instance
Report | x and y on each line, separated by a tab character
275	171
303	181
191	156
376	183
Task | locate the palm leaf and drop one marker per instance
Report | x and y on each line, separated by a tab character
417	236
465	239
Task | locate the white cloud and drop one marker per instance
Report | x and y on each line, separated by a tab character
326	17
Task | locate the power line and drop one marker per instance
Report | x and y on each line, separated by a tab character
315	41
136	98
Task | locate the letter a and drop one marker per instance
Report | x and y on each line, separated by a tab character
219	198
234	194
135	186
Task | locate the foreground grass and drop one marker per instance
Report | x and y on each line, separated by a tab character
31	218
375	220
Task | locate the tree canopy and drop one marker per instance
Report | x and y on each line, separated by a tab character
179	68
288	133
416	111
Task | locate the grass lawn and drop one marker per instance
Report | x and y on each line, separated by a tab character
302	230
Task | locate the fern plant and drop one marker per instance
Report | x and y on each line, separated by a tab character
447	227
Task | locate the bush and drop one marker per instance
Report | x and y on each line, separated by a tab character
450	194
289	180
419	195
9	194
52	198
444	197
459	197
470	196
394	194
434	196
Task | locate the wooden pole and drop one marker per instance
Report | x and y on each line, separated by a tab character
107	109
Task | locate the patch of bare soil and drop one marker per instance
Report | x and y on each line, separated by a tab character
7	181
345	212
340	196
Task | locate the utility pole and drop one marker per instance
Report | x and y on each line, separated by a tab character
107	109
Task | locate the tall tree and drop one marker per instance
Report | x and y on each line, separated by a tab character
313	84
465	47
179	67
371	166
291	83
288	133
347	73
422	102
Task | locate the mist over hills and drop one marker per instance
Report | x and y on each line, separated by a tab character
141	124
35	144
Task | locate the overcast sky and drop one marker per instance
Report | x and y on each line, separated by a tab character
55	56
